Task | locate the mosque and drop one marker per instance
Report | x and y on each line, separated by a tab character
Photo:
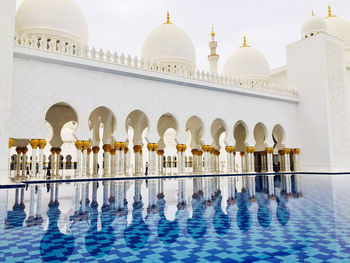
67	104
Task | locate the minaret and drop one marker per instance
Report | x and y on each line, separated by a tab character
213	57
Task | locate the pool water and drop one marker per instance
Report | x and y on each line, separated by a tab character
281	218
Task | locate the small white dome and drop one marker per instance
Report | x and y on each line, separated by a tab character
339	27
58	19
247	62
169	44
313	25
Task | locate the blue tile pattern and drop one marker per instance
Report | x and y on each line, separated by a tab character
257	219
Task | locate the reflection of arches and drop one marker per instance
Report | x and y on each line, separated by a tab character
240	132
197	226
260	134
196	127
243	218
138	121
217	128
54	245
136	235
104	117
264	213
221	221
168	231
57	116
278	136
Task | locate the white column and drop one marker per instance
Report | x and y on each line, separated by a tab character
122	158
24	160
114	154
58	158
86	145
88	161
269	160
18	162
34	144
243	156
11	142
79	145
286	156
95	151
181	148
138	158
296	153
281	160
127	161
107	148
152	158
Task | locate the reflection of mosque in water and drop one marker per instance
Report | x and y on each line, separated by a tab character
215	206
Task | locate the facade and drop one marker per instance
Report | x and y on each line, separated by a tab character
61	97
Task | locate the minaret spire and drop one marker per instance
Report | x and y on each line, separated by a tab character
213	57
168	18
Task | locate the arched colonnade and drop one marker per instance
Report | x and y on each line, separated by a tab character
194	153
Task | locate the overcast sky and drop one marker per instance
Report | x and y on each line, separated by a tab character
270	25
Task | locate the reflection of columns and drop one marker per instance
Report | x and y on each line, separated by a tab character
95	151
250	159
79	146
281	160
34	144
181	148
152	158
138	159
113	153
269	160
286	152
88	171
18	162
24	160
11	142
231	193
206	158
106	159
160	154
271	185
42	144
296	163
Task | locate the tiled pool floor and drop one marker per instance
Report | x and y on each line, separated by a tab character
298	218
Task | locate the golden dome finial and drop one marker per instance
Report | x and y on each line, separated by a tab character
167	17
313	14
212	31
330	12
244	42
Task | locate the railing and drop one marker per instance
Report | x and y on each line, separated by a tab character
56	46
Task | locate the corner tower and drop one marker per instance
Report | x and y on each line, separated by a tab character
317	67
7	29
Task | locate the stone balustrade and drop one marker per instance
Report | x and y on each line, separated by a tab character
52	45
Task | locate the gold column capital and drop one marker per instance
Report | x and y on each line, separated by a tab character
11	142
89	151
86	145
34	143
79	144
117	146
107	147
296	151
152	147
269	150
250	149
113	151
287	150
42	144
137	148
95	149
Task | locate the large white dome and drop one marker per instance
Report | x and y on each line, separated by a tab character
338	27
58	19
170	45
313	25
247	62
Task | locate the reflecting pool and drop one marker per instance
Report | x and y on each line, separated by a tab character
281	218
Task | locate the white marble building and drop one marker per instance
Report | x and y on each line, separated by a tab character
57	92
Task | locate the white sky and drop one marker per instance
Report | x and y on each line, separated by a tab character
270	25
